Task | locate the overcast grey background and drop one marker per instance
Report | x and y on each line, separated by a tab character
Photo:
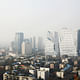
35	17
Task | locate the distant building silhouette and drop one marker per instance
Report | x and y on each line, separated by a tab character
40	45
19	37
26	47
78	42
33	44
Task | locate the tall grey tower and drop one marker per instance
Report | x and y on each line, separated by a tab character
19	37
33	44
40	45
78	42
56	44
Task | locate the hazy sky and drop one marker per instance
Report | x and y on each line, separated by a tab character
35	17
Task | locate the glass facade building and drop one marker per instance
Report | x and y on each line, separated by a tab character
19	37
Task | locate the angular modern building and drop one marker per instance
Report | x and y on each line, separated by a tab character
19	37
66	43
78	42
52	44
49	48
49	45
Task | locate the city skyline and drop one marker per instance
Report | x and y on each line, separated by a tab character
39	39
7	44
36	17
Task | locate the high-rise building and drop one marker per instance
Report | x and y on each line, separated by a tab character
49	48
78	42
19	37
66	43
56	44
33	44
40	45
27	47
12	46
52	44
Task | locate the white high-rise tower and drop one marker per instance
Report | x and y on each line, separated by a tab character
66	43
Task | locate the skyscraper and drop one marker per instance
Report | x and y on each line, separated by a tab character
12	46
78	42
33	44
52	44
40	45
66	42
49	48
26	47
56	44
19	37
